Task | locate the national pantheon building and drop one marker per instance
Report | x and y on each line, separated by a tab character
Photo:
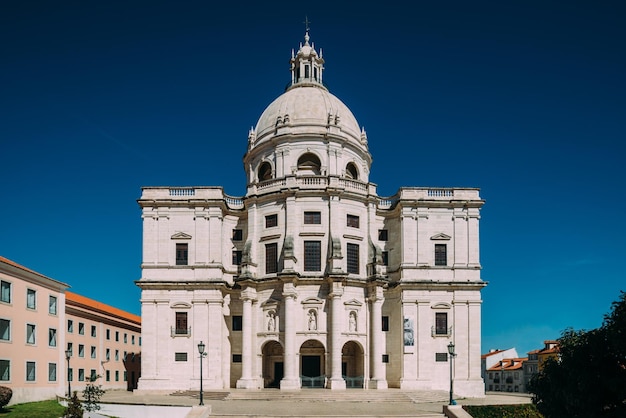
311	279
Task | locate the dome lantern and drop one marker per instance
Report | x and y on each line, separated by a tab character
306	65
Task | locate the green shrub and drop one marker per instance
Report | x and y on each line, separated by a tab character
502	411
5	396
74	408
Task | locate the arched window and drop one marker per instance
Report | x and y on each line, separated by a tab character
352	172
309	164
265	171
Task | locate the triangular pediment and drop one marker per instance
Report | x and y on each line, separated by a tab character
312	301
353	302
180	305
441	236
181	235
270	303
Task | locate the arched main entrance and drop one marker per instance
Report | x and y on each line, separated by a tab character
352	364
273	364
312	364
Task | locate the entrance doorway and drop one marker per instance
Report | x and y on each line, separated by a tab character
352	364
312	364
273	364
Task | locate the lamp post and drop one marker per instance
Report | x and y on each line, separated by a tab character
201	347
68	354
452	355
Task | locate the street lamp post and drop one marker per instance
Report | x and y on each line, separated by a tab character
201	347
452	355
68	354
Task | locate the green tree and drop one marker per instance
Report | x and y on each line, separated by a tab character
588	379
92	394
74	408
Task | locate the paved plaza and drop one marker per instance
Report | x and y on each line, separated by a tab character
303	403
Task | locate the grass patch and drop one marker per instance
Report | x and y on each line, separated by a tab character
503	411
43	409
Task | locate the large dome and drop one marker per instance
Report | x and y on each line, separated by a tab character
307	109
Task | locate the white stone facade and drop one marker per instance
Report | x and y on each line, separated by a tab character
311	278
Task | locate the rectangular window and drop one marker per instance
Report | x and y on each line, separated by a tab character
52	372
237	234
312	218
108	334
271	258
441	254
124	356
93	351
271	221
5	370
383	235
353	258
312	255
352	221
81	350
5	292
117	375
117	336
132	339
385	358
81	328
181	254
52	337
125	376
125	338
108	354
31	299
81	375
385	256
441	323
237	323
181	323
92	375
180	356
441	356
236	358
5	330
70	348
30	334
237	257
385	323
70	325
93	331
52	305
31	371
117	355
70	374
108	375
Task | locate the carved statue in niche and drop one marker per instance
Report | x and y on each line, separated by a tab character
352	321
312	320
271	321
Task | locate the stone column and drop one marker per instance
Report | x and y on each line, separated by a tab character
247	381
336	380
290	379
377	344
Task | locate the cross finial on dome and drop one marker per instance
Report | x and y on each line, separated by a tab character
307	28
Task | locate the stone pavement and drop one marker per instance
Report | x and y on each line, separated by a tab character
309	402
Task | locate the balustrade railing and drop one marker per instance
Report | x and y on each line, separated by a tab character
180	332
182	191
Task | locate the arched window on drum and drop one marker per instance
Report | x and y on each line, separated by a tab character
265	171
309	165
352	172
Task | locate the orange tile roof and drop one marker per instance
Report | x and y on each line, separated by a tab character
21	267
99	306
509	364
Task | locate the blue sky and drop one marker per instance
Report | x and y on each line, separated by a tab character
524	100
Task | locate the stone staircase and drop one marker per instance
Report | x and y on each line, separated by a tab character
274	403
